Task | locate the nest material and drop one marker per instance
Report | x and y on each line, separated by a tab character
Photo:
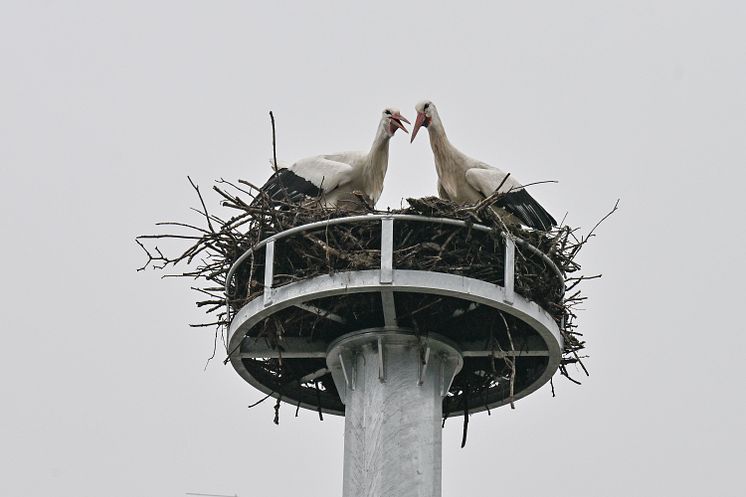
347	247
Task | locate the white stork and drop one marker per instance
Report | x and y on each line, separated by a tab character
334	177
466	180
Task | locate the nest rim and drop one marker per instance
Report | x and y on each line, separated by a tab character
254	249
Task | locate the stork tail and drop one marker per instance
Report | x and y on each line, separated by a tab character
523	206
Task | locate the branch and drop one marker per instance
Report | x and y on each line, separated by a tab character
274	147
590	233
202	201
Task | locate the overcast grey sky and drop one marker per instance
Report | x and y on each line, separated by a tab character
105	107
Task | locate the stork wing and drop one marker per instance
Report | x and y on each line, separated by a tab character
486	181
307	177
515	200
324	173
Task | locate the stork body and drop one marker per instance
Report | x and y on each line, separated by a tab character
463	179
335	178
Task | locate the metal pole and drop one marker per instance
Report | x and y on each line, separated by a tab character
392	383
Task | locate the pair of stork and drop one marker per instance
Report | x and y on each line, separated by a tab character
337	177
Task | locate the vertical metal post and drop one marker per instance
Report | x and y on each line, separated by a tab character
387	250
509	275
269	263
393	427
387	271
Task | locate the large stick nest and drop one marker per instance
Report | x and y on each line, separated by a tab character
218	243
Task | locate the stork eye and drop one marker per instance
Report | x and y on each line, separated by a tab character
426	106
388	112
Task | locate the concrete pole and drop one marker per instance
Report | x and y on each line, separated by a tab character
393	384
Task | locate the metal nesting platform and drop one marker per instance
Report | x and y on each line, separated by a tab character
469	326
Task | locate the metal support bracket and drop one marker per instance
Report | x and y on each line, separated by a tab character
389	308
423	366
381	365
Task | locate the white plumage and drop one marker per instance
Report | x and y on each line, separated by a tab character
334	177
463	179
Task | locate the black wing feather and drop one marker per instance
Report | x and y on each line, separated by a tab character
526	209
286	185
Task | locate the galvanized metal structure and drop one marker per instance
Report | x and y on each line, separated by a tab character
391	382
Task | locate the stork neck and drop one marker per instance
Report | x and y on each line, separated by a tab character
380	143
374	168
438	138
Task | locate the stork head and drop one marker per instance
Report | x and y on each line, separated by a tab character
425	112
391	119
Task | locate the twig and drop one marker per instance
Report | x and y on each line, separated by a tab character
274	146
277	410
261	400
466	418
202	201
590	233
544	182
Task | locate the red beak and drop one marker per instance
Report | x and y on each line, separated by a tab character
418	124
396	120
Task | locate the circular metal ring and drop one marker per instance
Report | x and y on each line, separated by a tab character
404	281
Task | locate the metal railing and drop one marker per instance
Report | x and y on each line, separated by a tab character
387	250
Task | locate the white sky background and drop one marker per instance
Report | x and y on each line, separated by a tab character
105	107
